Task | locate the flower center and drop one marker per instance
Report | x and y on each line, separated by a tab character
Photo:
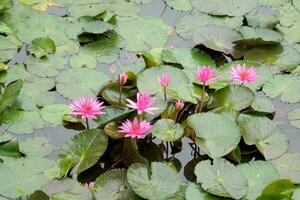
244	75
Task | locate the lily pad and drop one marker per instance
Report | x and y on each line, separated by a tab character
54	113
285	86
83	61
167	130
25	174
294	117
263	105
149	32
221	178
187	58
280	189
8	98
259	174
288	166
225	7
181	5
270	140
36	147
156	183
232	97
215	134
87	82
85	149
7	49
177	79
195	192
113	185
42	47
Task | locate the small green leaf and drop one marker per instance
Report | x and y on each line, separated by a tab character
42	47
167	130
54	113
8	98
36	147
263	105
280	189
294	117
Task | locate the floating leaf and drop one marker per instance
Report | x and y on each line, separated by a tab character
7	49
149	32
220	7
156	183
113	185
187	58
181	5
36	147
87	82
218	38
10	149
294	117
25	175
85	149
167	130
288	166
195	192
263	105
83	61
258	174
232	97
54	113
280	189
262	132
221	178
286	86
177	79
215	134
42	47
8	98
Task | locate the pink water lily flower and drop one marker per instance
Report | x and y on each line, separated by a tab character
164	80
87	108
135	129
144	101
179	105
205	75
242	74
122	78
90	185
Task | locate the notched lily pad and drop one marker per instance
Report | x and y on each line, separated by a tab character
167	130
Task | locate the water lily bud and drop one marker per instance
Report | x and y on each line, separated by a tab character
123	78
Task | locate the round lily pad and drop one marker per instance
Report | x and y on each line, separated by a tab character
181	5
263	105
294	117
167	130
54	113
36	147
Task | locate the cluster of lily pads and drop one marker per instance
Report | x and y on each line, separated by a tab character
127	121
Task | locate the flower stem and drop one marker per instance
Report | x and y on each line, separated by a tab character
200	103
87	123
167	152
165	94
120	94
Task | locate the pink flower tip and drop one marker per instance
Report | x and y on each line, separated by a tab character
179	105
135	129
242	74
90	185
164	80
144	101
123	78
205	75
87	107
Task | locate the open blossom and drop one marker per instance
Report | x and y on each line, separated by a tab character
205	75
242	74
164	80
135	129
122	78
87	107
179	105
90	185
144	101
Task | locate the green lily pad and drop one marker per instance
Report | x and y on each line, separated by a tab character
54	113
280	189
7	49
83	61
195	192
215	134
149	32
167	130
8	98
10	149
86	81
177	78
296	194
188	25
85	149
25	175
5	5
294	118
156	183
221	178
288	166
225	7
187	58
233	97
285	86
113	185
263	105
36	94
42	47
36	147
259	174
181	5
218	38
270	140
